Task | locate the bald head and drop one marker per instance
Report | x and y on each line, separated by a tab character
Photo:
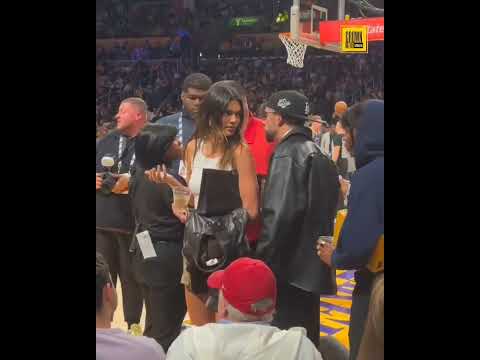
132	116
137	103
341	107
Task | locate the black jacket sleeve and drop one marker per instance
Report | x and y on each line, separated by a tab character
284	204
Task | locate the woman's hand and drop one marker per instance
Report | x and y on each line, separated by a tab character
181	214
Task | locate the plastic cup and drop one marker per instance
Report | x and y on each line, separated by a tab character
181	197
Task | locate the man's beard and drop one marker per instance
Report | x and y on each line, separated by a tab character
270	136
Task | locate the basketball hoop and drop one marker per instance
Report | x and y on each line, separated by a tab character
295	50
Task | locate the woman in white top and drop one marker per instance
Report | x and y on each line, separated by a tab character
216	144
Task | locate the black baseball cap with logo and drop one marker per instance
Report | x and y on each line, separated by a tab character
290	103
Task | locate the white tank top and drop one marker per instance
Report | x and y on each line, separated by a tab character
201	162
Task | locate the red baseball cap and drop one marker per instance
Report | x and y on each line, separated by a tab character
248	285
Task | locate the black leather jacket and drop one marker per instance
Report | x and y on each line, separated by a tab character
299	204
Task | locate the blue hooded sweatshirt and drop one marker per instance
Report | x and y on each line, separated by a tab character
365	219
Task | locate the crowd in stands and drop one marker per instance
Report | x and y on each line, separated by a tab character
324	80
175	46
223	9
122	18
158	84
180	43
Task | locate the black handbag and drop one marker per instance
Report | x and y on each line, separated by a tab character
215	233
211	243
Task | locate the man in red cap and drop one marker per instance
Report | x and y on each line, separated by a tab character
248	295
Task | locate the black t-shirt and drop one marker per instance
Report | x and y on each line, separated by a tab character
114	211
152	207
342	164
337	140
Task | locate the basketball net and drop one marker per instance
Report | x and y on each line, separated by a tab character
295	50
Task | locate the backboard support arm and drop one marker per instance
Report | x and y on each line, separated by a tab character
341	9
295	19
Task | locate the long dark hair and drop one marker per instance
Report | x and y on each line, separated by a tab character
350	119
209	123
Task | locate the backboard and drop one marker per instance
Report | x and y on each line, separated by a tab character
311	24
305	18
318	23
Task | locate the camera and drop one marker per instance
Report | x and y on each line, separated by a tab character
109	180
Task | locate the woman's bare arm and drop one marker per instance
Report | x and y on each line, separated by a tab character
247	179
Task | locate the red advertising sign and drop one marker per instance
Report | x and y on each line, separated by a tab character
330	31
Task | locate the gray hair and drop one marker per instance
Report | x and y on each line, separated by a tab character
139	103
237	316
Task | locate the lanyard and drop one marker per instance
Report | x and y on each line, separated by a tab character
180	128
182	171
120	152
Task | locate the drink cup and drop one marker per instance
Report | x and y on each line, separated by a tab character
181	197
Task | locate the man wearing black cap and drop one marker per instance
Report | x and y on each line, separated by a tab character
159	271
299	204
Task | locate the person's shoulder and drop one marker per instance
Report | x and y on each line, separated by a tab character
148	347
185	343
374	168
188	332
112	135
143	347
370	176
301	150
186	336
168	119
242	149
191	145
306	348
